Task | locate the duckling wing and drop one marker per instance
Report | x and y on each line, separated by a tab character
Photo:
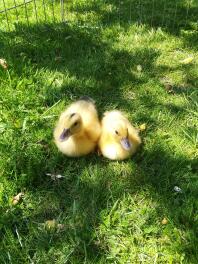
91	124
133	134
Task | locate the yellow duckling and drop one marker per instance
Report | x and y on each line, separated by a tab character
119	139
78	129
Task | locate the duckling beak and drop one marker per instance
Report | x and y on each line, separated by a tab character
125	143
65	134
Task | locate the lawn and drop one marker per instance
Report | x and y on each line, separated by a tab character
137	56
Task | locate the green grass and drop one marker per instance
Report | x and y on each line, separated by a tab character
112	212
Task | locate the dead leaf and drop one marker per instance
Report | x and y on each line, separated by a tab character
168	85
164	221
50	224
169	88
16	199
60	227
187	60
142	127
42	143
4	64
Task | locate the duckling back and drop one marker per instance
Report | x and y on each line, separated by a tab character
119	139
84	141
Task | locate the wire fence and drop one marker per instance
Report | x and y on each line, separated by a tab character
30	11
155	13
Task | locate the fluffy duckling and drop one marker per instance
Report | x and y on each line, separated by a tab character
78	129
119	139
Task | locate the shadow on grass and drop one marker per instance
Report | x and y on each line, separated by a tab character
175	17
96	67
81	54
90	183
171	16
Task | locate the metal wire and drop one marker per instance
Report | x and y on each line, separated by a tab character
121	11
175	16
26	12
6	15
44	9
62	10
164	13
187	11
152	14
13	7
53	10
16	10
35	10
140	11
130	9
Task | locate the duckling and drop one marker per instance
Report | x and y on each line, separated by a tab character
119	139
78	129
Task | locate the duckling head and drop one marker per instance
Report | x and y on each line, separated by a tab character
120	135
71	125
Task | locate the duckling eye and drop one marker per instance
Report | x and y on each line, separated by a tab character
116	132
76	123
73	114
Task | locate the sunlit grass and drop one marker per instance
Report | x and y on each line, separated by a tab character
109	212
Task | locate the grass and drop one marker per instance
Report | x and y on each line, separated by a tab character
109	212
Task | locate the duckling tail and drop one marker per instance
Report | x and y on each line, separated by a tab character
87	98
